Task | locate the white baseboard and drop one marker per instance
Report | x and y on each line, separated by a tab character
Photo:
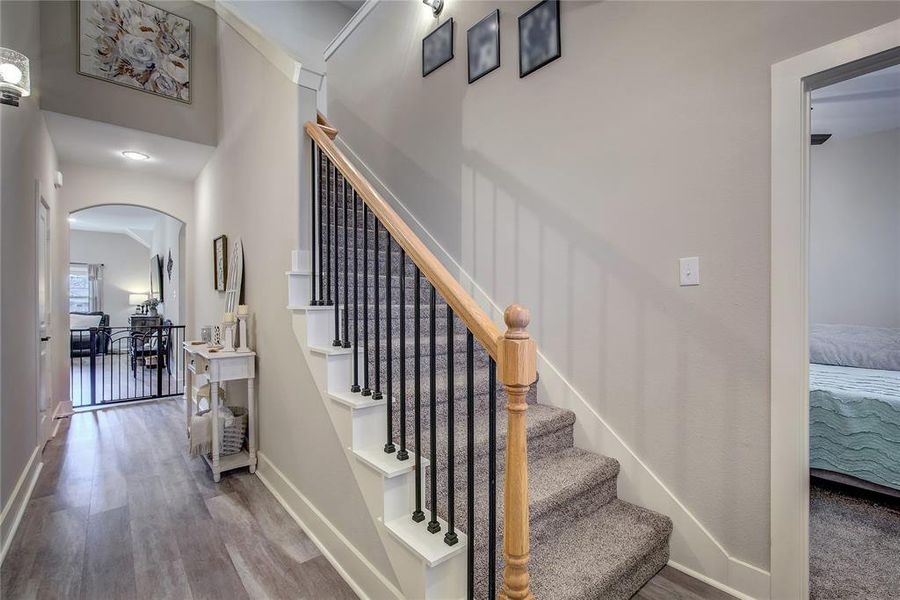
63	409
693	548
360	574
18	500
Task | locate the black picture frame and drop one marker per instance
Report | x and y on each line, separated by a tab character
437	32
220	263
523	21
495	17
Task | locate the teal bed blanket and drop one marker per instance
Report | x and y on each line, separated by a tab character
854	425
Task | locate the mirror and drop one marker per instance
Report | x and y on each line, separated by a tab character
235	277
156	279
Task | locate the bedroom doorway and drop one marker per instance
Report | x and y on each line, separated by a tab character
794	83
854	337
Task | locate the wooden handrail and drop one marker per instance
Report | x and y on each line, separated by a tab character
464	306
514	351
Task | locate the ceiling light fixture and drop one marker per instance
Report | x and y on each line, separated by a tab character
135	155
14	78
436	6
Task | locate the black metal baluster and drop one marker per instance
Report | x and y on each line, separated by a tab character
470	461
320	238
313	301
433	525
337	296
355	387
329	301
418	516
492	478
376	395
388	334
450	537
366	391
346	267
403	454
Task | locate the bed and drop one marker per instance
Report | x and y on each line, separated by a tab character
854	398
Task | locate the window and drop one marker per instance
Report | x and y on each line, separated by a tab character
79	288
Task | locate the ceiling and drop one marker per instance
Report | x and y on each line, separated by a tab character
866	104
87	142
353	5
133	221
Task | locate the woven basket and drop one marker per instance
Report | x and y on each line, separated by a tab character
233	435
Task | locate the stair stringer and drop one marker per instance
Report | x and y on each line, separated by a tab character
423	565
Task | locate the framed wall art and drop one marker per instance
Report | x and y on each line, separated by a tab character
135	44
220	263
539	37
437	48
483	46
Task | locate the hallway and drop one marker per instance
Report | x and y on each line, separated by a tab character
122	511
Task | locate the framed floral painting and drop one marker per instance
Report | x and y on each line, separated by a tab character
135	44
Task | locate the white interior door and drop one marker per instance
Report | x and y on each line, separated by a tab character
43	299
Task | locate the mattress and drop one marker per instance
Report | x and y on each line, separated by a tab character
854	422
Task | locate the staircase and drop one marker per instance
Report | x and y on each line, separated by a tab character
419	381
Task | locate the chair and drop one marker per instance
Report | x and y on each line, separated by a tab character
143	345
80	345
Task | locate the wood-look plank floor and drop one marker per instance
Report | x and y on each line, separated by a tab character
671	584
122	511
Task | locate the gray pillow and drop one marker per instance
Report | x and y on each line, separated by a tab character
859	346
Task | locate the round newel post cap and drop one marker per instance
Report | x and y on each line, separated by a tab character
517	319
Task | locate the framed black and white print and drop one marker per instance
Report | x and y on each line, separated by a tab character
220	262
437	48
539	38
483	46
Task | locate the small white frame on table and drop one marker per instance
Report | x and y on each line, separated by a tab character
216	368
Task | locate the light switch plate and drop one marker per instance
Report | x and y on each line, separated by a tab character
690	270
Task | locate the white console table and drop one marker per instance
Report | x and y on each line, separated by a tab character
215	368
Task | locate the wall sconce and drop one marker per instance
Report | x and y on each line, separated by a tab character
436	6
14	79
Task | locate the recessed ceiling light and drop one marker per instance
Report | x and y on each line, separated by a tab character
134	155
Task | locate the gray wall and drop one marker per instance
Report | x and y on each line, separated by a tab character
576	189
70	93
126	268
27	158
854	262
251	188
302	28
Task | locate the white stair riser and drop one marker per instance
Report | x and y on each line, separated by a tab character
387	498
299	289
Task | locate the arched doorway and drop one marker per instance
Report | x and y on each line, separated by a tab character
126	304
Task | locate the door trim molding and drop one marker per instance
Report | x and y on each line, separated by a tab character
791	81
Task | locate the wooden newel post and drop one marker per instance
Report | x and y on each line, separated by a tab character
517	366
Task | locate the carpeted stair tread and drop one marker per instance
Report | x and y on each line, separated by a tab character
557	479
608	554
543	422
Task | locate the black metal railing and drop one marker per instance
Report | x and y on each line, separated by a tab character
120	364
342	275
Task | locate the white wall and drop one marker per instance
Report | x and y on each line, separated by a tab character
27	160
576	189
251	188
302	28
854	262
126	267
68	92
